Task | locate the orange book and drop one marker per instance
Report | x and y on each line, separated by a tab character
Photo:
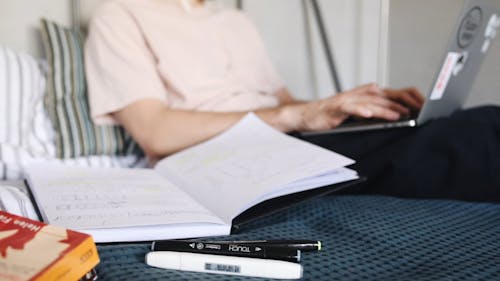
32	250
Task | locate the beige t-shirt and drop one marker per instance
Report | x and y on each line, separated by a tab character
204	58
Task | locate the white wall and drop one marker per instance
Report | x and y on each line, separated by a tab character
353	29
281	23
419	32
20	22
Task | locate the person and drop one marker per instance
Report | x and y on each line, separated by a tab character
175	73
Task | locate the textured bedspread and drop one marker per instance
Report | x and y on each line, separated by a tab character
364	237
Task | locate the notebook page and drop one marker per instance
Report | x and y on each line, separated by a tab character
244	163
89	198
336	176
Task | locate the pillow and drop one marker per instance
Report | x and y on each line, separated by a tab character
15	159
11	161
24	126
67	104
21	91
21	86
26	133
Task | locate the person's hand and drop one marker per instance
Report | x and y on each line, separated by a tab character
367	101
410	97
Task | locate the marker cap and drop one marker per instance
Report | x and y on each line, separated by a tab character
163	260
242	266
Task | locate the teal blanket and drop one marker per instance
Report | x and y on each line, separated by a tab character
364	237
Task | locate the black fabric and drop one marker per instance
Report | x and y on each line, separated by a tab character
456	157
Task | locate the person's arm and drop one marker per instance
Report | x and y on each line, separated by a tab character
161	131
285	97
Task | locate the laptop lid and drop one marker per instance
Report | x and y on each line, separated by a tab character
470	41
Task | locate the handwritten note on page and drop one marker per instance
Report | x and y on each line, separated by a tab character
194	193
232	170
87	198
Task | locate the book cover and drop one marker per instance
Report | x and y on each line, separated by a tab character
32	250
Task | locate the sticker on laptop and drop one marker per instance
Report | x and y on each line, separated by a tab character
490	32
470	27
445	75
462	59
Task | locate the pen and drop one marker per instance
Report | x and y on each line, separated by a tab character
225	265
228	249
302	245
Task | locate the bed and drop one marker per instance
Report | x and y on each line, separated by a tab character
365	237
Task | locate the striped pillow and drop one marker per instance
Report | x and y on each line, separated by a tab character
67	104
26	133
24	126
23	121
15	159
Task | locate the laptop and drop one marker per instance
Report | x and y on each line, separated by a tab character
470	41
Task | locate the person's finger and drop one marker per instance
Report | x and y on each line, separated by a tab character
409	100
371	89
416	94
386	103
354	109
383	112
404	97
370	110
369	101
374	89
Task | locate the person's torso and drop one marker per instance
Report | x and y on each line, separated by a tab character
208	57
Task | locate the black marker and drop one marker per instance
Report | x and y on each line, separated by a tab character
302	245
228	249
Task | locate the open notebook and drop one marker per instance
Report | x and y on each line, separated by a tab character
197	192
